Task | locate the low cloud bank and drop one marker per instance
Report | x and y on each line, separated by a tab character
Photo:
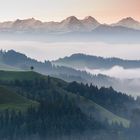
117	72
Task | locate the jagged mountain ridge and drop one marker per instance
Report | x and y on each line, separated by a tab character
71	23
129	23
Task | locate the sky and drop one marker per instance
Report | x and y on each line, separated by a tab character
106	11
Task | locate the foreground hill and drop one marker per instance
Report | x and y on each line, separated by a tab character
83	103
71	107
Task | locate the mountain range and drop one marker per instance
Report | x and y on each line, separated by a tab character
69	24
72	29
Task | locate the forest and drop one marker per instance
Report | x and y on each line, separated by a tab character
60	111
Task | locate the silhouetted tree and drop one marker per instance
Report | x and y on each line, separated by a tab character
32	68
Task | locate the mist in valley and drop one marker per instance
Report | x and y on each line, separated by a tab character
129	79
117	72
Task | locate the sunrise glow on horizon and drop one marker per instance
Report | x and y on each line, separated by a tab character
105	11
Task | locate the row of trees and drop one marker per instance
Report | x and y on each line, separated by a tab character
112	100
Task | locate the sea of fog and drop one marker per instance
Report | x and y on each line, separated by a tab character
117	72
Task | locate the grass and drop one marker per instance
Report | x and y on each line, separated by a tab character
19	75
28	75
10	100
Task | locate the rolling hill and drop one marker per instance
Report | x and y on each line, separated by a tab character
81	61
66	69
88	107
99	113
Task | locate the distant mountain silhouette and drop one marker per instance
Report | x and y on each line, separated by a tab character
80	61
71	29
71	23
68	24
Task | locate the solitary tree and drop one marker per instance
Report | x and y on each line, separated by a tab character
32	68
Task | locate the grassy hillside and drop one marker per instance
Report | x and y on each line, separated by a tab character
91	109
11	100
28	75
19	75
88	107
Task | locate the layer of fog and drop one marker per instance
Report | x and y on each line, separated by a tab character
51	51
128	80
117	72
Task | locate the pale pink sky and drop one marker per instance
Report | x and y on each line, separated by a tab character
106	11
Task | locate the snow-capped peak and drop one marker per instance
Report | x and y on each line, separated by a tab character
90	22
128	22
